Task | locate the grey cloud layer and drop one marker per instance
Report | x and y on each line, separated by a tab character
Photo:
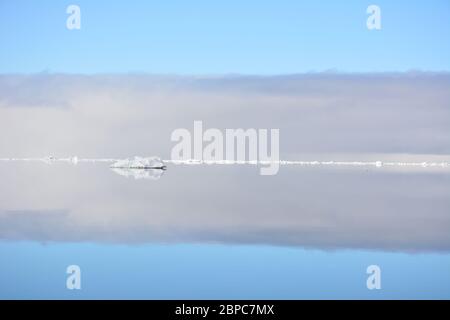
317	113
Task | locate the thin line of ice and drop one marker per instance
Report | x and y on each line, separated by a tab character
378	163
73	160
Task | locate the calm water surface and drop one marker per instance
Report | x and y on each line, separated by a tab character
223	232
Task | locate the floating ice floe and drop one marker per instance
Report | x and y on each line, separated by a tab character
139	163
49	160
140	168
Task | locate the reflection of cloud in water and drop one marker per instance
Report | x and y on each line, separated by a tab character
315	207
152	174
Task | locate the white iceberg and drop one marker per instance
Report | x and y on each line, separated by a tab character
140	168
49	160
140	163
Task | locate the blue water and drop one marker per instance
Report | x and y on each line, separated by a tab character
38	271
223	233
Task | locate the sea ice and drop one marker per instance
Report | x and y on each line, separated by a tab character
140	163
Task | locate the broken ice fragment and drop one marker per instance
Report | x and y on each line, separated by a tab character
49	159
140	163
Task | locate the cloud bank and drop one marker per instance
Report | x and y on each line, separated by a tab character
123	115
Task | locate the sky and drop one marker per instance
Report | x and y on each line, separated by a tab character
204	37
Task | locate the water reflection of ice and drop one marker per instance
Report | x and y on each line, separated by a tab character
151	174
140	168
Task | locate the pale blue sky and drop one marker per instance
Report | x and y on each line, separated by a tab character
204	37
